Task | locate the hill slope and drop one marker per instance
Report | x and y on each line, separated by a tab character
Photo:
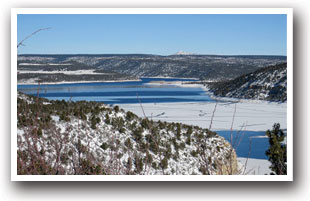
58	137
268	83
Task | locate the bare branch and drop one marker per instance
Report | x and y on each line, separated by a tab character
21	43
213	116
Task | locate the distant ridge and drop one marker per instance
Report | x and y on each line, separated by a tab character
155	55
132	66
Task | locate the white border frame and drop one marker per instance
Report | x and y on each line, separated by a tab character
287	11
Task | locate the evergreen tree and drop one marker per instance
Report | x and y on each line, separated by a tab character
107	119
178	134
277	150
164	163
116	108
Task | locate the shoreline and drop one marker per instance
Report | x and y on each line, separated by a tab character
167	77
103	81
188	84
76	82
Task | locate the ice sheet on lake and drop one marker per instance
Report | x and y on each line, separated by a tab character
255	116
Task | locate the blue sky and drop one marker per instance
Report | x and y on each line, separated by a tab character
153	34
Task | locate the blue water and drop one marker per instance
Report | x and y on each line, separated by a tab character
120	92
249	145
135	91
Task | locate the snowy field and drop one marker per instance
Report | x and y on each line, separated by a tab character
250	166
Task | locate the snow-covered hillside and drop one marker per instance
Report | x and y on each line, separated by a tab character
58	137
268	83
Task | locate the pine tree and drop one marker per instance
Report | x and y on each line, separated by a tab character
116	108
178	134
277	150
